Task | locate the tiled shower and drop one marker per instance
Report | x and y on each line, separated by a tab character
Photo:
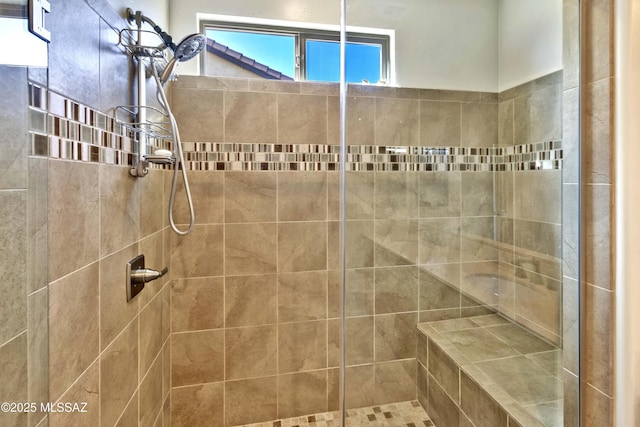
444	189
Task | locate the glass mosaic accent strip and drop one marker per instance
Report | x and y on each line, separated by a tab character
63	129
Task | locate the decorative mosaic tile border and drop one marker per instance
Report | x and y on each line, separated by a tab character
63	129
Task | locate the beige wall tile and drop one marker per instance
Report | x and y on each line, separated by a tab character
476	239
130	415
505	124
251	300
301	394
198	405
13	264
359	244
197	357
118	375
396	242
478	405
151	340
259	109
598	345
251	401
479	125
360	120
73	199
333	343
439	241
38	224
207	192
439	194
198	254
360	386
302	346
13	153
199	114
250	248
597	235
441	409
197	304
436	292
538	116
597	40
251	352
395	336
302	196
119	209
396	289
359	292
115	311
395	381
38	349
153	249
396	195
302	119
397	121
477	193
359	340
597	132
440	124
250	196
73	327
13	357
151	395
152	203
538	195
302	296
302	246
85	390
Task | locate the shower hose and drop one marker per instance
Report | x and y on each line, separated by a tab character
162	99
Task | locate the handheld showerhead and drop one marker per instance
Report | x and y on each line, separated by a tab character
189	47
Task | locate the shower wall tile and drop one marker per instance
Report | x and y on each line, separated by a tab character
596	127
259	109
537	116
13	128
479	125
302	246
250	197
302	196
197	357
538	195
360	386
14	388
151	396
302	393
192	107
396	289
262	406
198	405
302	296
396	242
359	340
359	292
597	41
302	346
38	350
436	292
333	343
599	344
397	121
440	194
207	194
396	195
119	374
395	336
250	248
302	119
477	239
153	207
395	381
359	195
505	124
198	254
85	389
360	120
197	304
13	263
440	123
74	51
571	136
251	352
151	337
251	300
73	199
115	312
478	193
73	327
116	71
439	241
152	248
359	241
119	209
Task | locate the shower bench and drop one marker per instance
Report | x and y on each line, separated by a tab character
490	371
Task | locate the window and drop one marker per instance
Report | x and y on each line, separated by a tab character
287	53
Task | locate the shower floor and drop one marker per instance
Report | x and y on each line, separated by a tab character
409	414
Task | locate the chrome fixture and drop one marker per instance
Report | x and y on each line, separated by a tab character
153	59
138	275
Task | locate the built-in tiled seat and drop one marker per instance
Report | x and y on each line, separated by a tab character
490	371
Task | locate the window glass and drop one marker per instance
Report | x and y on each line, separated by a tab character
323	62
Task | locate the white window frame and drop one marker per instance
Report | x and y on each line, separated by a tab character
302	32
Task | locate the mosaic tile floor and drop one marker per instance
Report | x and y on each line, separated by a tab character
409	414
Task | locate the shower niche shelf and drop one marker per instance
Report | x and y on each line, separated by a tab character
158	126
